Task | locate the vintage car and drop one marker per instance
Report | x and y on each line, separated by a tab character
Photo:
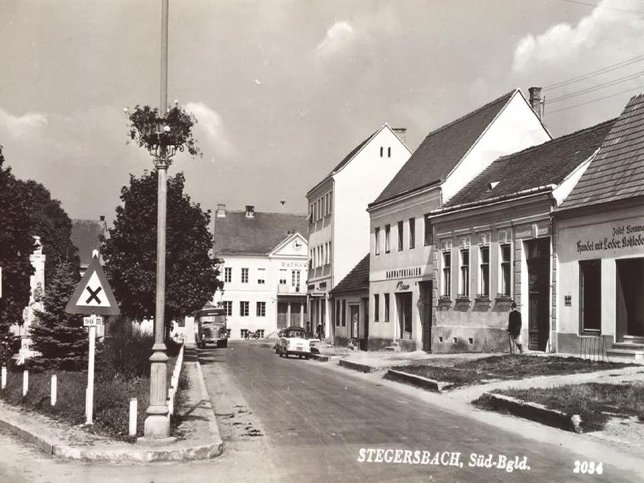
293	341
210	327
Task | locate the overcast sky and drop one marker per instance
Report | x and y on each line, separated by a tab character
284	89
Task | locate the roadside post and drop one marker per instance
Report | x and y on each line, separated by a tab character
93	297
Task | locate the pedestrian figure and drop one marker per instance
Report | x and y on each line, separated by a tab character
319	331
514	328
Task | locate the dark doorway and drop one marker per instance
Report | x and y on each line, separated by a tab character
354	311
590	288
538	256
296	316
630	297
425	311
282	315
403	302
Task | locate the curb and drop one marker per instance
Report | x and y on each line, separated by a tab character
319	357
535	412
415	380
360	367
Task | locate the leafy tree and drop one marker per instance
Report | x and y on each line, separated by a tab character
60	337
16	244
130	251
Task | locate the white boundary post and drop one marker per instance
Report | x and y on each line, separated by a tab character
54	389
92	321
4	377
25	382
133	414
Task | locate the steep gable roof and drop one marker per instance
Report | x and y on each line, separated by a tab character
617	173
545	164
86	236
357	279
442	149
237	234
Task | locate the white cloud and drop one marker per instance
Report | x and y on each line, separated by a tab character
19	126
610	27
212	125
337	37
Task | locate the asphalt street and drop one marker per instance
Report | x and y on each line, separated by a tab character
325	425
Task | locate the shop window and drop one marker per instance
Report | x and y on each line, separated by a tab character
506	270
243	308
387	238
447	274
400	236
244	275
228	307
386	296
590	278
376	308
228	274
484	271
464	286
412	233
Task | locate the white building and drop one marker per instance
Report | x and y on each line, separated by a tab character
264	270
338	220
402	288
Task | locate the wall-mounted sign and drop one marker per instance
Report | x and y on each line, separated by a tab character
317	294
404	272
622	236
402	286
568	300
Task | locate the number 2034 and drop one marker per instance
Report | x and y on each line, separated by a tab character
588	468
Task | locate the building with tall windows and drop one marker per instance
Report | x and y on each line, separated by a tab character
338	221
494	246
599	242
264	270
402	287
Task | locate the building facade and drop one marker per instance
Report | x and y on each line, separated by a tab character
264	270
351	307
338	221
402	274
599	233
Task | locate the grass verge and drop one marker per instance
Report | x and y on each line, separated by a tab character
595	403
506	367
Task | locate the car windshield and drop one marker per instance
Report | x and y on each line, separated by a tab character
295	333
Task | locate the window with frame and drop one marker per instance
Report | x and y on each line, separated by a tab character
282	279
447	274
311	214
244	275
376	308
337	313
412	233
228	274
389	151
386	317
261	276
387	238
382	151
228	307
484	270
295	278
400	236
377	240
590	296
506	269
464	287
244	308
344	313
429	237
330	202
326	203
261	309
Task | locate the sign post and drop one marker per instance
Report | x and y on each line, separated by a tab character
92	296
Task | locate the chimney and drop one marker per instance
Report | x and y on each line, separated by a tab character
401	132
221	210
250	211
535	100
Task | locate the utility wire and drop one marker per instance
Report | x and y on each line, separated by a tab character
596	100
594	73
597	87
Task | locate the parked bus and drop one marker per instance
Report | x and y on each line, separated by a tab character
210	327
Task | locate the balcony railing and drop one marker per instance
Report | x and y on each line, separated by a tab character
284	288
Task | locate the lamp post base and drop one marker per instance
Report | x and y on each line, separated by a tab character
157	426
157	422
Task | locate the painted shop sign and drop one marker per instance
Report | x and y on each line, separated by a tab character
402	286
294	264
623	236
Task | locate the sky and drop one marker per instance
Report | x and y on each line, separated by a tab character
284	89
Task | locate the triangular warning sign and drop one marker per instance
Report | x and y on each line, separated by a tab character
93	294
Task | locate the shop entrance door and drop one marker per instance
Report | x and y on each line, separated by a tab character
538	255
630	299
425	310
403	302
354	311
282	315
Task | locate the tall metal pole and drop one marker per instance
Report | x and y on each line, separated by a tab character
157	423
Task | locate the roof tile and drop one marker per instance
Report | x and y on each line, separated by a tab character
357	279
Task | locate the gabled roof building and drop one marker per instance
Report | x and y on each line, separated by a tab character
599	233
402	291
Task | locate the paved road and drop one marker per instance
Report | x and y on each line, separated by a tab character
316	421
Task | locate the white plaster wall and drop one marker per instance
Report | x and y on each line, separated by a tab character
515	128
357	185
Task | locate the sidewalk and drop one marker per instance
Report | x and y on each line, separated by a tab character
197	436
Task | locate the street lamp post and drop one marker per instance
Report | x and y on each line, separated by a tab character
157	423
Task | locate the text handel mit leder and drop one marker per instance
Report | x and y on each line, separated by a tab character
443	458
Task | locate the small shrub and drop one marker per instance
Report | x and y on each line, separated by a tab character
126	354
